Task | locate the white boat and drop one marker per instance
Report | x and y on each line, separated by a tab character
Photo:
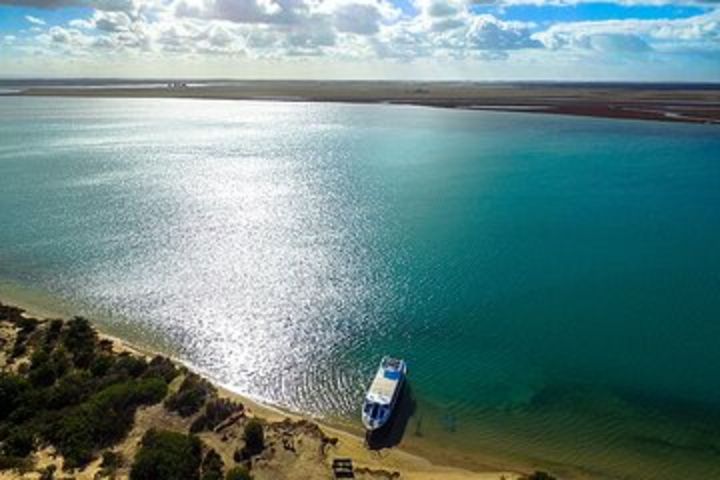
383	393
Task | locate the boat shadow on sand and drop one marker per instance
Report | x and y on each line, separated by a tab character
392	433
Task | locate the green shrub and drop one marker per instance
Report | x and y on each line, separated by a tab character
190	397
52	334
72	389
254	437
111	461
80	340
129	366
216	411
19	348
161	367
27	325
46	367
12	388
167	456
18	443
238	473
540	476
104	419
212	466
10	463
101	365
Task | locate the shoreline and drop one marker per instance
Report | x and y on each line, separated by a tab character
684	105
410	464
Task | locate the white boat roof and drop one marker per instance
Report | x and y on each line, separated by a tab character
382	389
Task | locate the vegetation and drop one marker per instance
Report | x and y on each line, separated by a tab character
80	339
238	473
12	390
72	394
190	397
212	466
216	411
101	421
254	437
167	456
540	476
111	461
67	388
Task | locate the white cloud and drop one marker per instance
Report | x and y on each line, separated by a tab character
359	31
699	33
125	5
34	20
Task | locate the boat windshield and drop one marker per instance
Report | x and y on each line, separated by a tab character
392	374
374	410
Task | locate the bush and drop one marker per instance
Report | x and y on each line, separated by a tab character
72	389
167	456
80	340
254	437
129	366
19	443
540	476
216	411
190	397
161	367
102	365
212	466
111	461
238	473
10	463
27	325
102	420
45	368
52	335
12	387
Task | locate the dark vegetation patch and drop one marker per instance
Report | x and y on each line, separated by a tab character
254	436
167	455
212	466
191	396
216	411
238	473
75	395
540	476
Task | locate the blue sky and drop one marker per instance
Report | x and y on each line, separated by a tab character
640	40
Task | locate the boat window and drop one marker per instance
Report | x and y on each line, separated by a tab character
392	374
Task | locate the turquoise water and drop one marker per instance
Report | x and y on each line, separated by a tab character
553	282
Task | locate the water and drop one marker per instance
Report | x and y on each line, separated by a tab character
552	281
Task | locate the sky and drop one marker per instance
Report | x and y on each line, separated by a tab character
484	40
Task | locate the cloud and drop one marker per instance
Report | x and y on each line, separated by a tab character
241	11
112	5
34	20
488	33
359	31
699	33
576	2
363	19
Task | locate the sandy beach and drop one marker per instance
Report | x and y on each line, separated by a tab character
344	441
672	103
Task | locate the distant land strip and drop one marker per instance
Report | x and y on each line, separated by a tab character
662	102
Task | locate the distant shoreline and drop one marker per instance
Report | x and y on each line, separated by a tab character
671	103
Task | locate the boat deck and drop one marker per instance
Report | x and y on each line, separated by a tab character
383	386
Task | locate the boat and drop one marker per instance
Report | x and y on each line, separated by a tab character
382	396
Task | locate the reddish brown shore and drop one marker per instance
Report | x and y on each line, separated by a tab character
672	103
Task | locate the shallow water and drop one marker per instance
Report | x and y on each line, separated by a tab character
552	281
